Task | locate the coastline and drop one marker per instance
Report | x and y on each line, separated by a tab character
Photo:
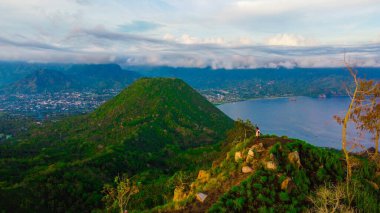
276	97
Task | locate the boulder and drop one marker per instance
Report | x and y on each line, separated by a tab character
238	156
249	159
251	153
203	176
288	185
270	165
294	158
201	197
246	169
179	194
258	147
250	156
272	157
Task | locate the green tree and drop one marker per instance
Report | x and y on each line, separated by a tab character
241	131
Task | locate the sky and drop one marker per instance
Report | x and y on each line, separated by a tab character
198	33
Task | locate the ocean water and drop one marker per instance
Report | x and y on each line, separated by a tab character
305	118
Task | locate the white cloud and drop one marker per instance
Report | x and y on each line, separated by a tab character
245	41
290	40
217	33
377	39
189	40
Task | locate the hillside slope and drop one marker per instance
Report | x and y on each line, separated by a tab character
155	127
169	106
101	76
95	77
278	174
40	81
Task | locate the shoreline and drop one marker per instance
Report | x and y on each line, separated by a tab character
276	97
252	99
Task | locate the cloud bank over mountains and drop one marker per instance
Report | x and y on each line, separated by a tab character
220	33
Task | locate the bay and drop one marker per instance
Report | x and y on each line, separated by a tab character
305	118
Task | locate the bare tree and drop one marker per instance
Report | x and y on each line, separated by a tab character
364	112
330	199
347	117
120	195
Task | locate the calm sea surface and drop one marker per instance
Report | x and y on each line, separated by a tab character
309	119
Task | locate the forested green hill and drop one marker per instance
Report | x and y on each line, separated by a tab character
149	127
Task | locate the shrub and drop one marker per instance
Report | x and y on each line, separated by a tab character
284	196
239	204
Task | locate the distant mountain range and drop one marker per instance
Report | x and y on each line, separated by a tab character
262	82
101	76
11	72
40	81
76	77
217	85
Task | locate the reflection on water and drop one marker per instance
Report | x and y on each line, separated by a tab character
309	119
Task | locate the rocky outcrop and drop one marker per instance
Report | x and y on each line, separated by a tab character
258	147
270	165
201	197
246	169
250	156
238	156
203	176
179	194
288	185
251	153
294	158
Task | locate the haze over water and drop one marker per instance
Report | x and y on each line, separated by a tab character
309	119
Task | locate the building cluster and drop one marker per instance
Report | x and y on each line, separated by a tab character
46	104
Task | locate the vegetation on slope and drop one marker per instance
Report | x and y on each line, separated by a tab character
164	136
151	129
285	175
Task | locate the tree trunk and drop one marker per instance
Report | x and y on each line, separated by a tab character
344	141
377	143
344	134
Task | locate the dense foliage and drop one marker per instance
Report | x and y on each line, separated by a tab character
161	133
151	130
262	191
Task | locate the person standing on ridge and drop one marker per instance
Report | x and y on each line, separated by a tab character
258	133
